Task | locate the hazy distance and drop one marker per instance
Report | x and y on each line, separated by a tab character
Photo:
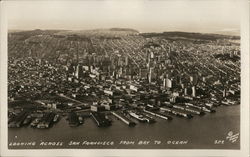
208	16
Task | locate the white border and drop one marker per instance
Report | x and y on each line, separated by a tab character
244	151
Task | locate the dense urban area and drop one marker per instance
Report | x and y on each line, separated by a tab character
134	77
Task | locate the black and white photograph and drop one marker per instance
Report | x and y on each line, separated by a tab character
125	75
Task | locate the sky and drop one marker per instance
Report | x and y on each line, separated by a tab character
143	15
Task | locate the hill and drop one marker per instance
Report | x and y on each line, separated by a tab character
189	35
112	32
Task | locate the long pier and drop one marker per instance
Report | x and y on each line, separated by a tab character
188	109
158	115
100	119
202	108
124	119
176	113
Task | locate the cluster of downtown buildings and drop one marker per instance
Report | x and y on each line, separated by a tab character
134	78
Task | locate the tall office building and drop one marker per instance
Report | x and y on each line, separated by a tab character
164	83
77	71
224	92
193	91
169	83
185	91
126	61
150	75
151	55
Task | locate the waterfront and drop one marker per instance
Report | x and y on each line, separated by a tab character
200	132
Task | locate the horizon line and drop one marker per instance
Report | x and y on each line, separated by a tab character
231	32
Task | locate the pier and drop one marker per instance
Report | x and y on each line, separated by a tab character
158	115
124	119
148	118
100	119
177	113
17	121
46	121
202	108
186	108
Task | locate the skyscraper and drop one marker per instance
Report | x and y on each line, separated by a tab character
77	71
193	91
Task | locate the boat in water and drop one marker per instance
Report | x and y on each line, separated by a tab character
137	116
81	120
35	122
56	118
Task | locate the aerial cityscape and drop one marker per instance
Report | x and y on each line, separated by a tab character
121	74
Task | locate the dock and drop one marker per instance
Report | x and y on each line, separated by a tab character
202	108
46	121
124	119
100	119
186	108
177	113
18	120
148	118
158	115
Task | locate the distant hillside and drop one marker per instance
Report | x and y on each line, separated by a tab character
232	32
101	32
15	30
23	35
124	29
187	35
